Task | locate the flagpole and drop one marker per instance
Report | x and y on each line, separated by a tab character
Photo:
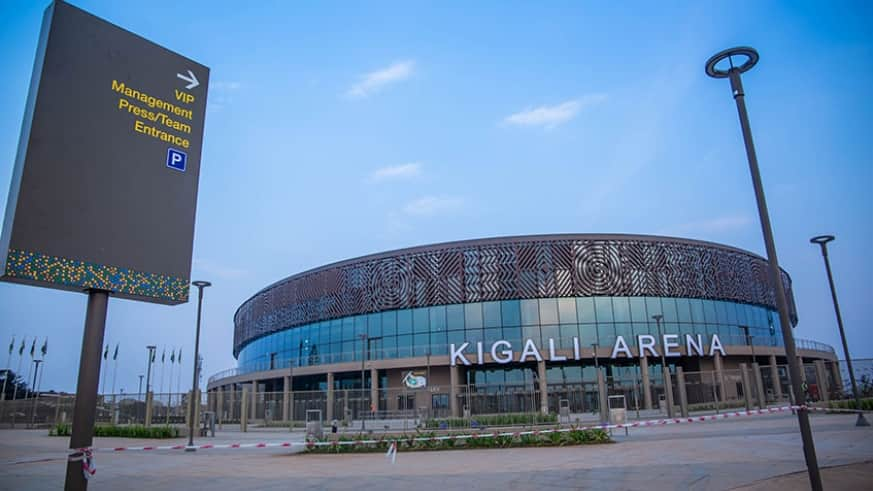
8	368
115	370
29	368
18	372
103	371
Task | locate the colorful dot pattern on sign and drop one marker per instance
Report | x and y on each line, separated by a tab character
62	271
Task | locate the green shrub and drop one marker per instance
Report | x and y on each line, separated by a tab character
63	429
510	419
866	404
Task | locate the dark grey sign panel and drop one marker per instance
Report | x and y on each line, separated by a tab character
104	189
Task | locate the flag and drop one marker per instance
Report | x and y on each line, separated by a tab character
152	356
115	355
163	356
21	349
33	347
45	347
180	356
11	345
106	353
172	356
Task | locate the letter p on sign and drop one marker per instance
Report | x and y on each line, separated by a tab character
176	159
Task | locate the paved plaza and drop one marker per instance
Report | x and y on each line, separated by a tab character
754	453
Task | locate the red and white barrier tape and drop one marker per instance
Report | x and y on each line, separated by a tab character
637	424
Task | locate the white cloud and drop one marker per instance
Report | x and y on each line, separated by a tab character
551	116
715	225
432	205
375	81
403	171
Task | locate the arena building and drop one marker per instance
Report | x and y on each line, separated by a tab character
558	314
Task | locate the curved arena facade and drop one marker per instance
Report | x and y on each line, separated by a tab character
536	311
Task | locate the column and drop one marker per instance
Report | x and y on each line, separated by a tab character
821	376
719	376
601	396
374	391
330	415
759	385
453	391
286	397
747	392
244	410
646	384
668	391
774	374
544	387
683	394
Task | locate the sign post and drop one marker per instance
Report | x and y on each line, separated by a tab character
104	186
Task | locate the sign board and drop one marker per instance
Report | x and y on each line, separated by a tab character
104	188
415	380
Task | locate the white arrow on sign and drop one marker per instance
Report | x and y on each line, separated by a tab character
191	79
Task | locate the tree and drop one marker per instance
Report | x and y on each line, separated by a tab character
15	381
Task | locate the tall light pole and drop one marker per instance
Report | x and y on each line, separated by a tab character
36	396
664	370
749	58
658	318
139	392
364	339
192	403
823	240
151	355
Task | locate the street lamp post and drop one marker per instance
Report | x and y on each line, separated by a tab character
823	240
193	402
139	392
664	369
151	355
750	57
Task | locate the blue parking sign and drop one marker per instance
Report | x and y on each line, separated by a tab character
176	159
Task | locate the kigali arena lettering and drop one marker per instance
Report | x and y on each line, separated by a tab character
491	316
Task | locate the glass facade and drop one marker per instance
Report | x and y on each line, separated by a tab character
430	330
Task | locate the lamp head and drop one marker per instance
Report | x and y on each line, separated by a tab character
822	239
749	55
201	284
657	317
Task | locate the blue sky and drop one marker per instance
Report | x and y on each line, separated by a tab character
339	129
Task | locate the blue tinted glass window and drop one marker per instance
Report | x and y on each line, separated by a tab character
404	322
743	316
567	310
683	308
473	335
709	311
585	310
603	305
621	309
388	345
473	316
360	325
374	325
721	312
625	330
438	318
421	344
438	343
513	335
389	323
548	311
491	335
638	309
550	332
530	313
491	314
455	317
456	337
510	312
404	346
731	309
587	335
568	332
421	320
669	306
348	329
696	310
531	332
653	306
606	334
